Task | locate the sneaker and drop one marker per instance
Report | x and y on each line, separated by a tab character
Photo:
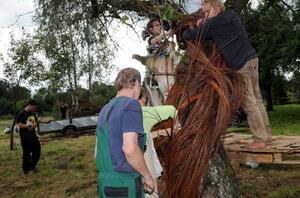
256	145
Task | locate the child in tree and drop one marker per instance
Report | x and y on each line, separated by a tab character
157	36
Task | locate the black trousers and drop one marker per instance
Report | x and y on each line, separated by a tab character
31	152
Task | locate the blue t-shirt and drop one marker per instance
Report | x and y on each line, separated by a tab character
126	116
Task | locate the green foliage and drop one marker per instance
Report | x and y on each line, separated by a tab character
23	64
45	99
273	31
285	120
295	84
168	12
6	107
74	43
9	93
279	89
21	105
102	93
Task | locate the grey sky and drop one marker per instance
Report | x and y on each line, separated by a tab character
10	22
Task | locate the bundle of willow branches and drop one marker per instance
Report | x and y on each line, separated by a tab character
207	94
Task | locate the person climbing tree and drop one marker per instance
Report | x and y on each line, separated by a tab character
225	28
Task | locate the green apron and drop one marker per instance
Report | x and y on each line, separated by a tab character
112	183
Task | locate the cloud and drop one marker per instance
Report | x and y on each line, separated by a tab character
10	10
12	22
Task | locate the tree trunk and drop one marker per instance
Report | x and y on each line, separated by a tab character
13	126
268	89
269	97
220	181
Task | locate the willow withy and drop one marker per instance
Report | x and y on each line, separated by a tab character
207	94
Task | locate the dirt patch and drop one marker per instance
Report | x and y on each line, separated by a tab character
269	180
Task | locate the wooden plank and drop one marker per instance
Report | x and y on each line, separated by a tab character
284	145
242	148
260	158
251	157
277	157
296	145
288	162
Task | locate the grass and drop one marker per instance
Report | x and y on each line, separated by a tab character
284	119
66	169
4	124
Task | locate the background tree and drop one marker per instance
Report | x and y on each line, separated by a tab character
74	44
273	31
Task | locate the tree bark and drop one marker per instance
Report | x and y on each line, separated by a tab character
220	181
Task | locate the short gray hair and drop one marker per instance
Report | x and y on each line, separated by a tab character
126	78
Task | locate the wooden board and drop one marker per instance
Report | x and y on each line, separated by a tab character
279	151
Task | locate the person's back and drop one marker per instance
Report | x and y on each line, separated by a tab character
129	109
229	34
119	144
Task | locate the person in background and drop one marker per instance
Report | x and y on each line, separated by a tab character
120	142
225	28
27	122
63	109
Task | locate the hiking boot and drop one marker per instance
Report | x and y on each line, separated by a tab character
256	145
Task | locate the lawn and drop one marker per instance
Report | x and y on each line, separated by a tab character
67	166
66	169
284	119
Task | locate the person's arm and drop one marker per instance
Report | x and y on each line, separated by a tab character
22	126
135	158
158	39
21	121
191	34
167	132
160	132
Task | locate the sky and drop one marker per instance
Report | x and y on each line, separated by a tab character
9	11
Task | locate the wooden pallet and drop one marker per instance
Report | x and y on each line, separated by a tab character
282	149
